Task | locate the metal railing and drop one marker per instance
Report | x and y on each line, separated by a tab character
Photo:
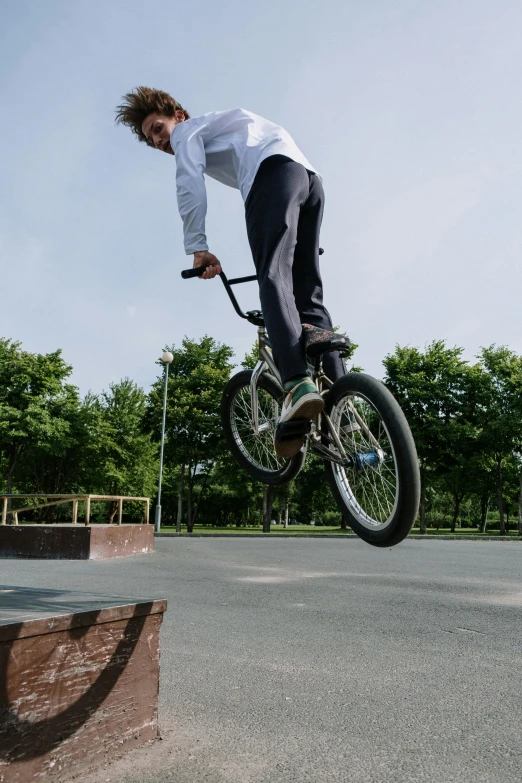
74	499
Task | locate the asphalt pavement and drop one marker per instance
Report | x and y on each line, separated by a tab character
323	660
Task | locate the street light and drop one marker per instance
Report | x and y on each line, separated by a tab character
166	358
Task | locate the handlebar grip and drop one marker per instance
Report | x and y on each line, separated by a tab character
193	272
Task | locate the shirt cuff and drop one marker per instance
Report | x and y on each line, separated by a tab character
196	249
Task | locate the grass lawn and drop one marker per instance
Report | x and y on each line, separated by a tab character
314	530
309	530
256	531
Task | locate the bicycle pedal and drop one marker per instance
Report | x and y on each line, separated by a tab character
293	429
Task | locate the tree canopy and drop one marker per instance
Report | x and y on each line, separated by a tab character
466	418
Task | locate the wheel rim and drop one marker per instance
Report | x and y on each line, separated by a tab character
370	492
258	449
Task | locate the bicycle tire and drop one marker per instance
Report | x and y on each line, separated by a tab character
380	501
254	453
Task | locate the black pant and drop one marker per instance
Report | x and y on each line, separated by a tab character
284	210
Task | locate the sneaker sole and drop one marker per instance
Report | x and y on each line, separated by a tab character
288	448
308	407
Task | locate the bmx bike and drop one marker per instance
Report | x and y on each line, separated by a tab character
362	436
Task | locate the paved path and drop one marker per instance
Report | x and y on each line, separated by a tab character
307	661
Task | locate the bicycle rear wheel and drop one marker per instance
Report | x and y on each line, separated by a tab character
255	452
379	493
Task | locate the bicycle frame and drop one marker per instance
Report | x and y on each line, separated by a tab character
266	364
380	506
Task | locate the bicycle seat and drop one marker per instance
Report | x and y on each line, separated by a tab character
255	317
318	341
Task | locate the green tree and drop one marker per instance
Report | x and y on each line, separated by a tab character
481	472
433	388
105	450
229	496
194	438
33	399
122	458
312	497
61	470
458	465
500	413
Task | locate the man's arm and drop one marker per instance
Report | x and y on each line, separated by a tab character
192	198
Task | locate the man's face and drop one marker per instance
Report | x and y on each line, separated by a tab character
157	129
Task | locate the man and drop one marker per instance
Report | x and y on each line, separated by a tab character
283	198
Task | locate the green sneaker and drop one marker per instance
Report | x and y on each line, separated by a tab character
303	401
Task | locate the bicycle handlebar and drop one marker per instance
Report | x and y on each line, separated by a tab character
196	272
254	316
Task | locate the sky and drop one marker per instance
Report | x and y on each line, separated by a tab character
411	110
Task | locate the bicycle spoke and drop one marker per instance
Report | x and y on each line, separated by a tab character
369	490
258	448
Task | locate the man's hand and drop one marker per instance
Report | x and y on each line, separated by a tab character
204	258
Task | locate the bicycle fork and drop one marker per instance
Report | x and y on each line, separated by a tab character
265	363
260	367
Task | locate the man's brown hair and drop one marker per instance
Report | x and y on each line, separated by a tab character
141	102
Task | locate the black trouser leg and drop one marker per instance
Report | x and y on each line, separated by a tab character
283	213
307	283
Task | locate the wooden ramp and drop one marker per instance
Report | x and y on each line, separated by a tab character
75	542
79	679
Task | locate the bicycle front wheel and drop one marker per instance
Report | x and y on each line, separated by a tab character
255	451
379	492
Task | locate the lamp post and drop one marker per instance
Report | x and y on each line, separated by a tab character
166	358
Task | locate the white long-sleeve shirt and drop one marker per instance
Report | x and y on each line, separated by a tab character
228	146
